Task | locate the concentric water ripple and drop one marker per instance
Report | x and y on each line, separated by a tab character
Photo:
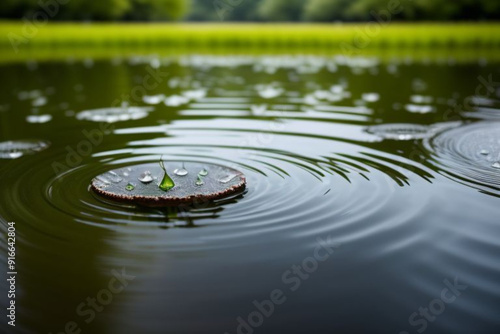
331	148
470	153
287	192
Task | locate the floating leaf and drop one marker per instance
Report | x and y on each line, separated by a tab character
166	183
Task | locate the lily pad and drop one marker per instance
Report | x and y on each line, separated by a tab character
203	182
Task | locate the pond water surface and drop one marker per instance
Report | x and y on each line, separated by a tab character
372	187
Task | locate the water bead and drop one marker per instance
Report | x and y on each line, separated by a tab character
181	172
146	177
199	181
203	172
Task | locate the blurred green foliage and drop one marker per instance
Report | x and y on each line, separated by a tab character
281	10
254	10
343	10
429	10
100	10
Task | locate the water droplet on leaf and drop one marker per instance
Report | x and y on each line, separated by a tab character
199	181
130	186
203	172
181	171
146	177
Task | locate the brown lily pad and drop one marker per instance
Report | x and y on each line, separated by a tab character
139	184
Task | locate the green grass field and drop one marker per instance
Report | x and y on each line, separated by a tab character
19	40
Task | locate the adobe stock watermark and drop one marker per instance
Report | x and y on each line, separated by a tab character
292	279
436	306
222	7
87	310
47	9
94	137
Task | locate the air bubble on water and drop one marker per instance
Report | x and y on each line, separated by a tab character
130	186
421	99
228	178
153	99
370	97
496	165
15	154
199	181
146	177
203	172
337	89
484	152
269	91
38	118
195	94
419	109
175	100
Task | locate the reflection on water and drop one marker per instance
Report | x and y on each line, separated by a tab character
375	155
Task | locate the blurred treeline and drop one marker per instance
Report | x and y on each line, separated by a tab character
99	10
254	10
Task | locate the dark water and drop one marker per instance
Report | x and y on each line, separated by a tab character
372	188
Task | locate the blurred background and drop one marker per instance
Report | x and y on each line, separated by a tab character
255	10
371	123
